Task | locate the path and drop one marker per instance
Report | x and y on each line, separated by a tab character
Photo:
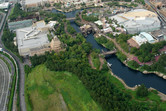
64	106
130	56
90	61
66	30
101	62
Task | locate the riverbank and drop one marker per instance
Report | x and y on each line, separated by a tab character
146	72
70	10
130	57
160	94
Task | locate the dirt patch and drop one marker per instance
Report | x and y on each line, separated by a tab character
90	61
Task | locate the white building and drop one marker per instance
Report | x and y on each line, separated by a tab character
138	20
99	22
138	40
33	3
4	5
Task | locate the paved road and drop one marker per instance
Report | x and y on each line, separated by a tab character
4	85
10	63
162	18
20	66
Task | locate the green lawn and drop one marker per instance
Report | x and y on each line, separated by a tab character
44	89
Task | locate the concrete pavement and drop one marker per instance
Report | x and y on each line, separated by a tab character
4	85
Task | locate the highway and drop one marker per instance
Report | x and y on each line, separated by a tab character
10	63
20	66
4	85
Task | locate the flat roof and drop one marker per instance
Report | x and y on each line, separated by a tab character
98	22
139	40
38	40
27	2
139	13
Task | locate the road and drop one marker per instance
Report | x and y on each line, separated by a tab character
10	63
162	18
130	56
20	66
4	85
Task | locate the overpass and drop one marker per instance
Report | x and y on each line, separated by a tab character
70	18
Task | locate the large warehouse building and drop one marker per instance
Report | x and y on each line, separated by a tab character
138	20
33	3
33	40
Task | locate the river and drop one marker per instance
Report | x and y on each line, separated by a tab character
130	77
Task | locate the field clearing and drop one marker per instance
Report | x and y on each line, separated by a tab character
49	91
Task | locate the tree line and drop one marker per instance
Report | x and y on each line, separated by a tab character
101	89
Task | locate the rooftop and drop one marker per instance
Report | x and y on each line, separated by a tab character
20	24
139	40
27	2
99	22
148	37
159	32
34	39
4	5
138	20
139	13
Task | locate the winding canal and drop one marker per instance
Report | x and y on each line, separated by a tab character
130	77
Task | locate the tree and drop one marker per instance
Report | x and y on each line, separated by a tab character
142	91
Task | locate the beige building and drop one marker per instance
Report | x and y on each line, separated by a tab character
55	44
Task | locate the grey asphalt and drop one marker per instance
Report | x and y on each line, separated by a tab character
4	85
20	66
10	63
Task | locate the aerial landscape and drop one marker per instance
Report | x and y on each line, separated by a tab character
82	55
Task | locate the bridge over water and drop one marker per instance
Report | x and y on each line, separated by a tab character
108	52
71	18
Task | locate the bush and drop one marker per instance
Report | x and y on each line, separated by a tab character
142	91
133	64
121	56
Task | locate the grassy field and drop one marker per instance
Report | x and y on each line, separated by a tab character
49	91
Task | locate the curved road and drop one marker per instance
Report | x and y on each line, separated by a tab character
20	66
4	85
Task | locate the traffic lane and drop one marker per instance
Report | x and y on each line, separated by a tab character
5	88
10	63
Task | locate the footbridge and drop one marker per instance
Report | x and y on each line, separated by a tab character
108	52
71	18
